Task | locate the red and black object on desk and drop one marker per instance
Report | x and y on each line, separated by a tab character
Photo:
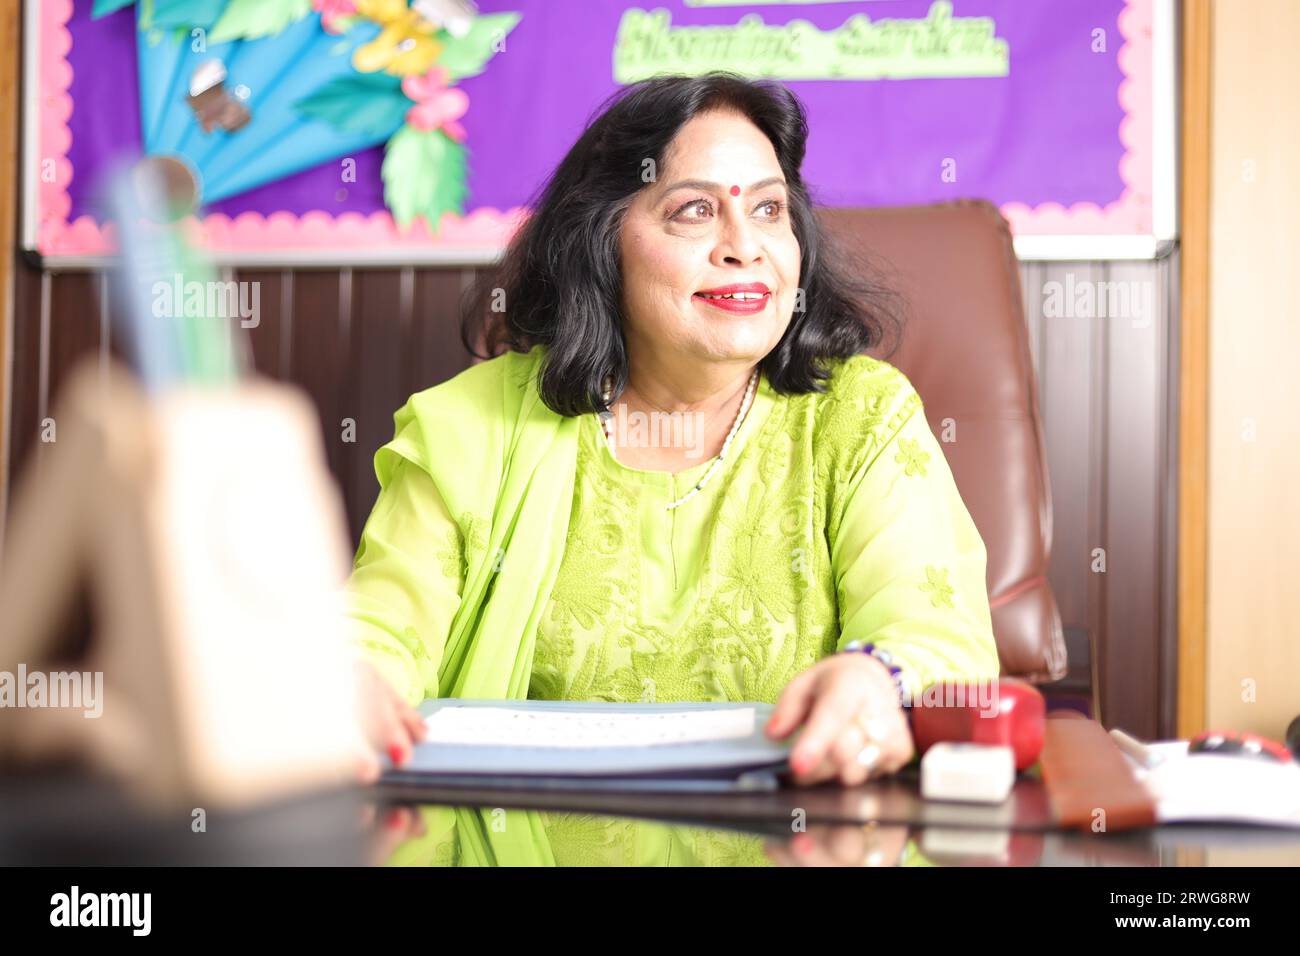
1005	713
1238	744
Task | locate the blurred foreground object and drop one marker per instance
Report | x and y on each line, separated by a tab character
202	522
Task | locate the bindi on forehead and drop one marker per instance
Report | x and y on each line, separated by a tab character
735	190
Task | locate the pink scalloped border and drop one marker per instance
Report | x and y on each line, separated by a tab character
489	228
1131	213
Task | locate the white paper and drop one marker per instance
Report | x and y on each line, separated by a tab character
1217	787
507	727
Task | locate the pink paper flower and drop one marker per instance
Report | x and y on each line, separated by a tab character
437	106
333	10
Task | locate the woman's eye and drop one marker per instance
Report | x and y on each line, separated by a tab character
773	207
695	209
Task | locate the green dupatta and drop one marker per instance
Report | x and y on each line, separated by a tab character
504	464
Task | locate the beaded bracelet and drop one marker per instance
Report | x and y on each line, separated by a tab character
882	655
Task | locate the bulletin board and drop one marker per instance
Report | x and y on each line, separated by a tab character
333	132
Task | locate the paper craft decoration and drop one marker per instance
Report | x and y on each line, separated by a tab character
317	89
396	131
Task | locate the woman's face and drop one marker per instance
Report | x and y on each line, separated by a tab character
714	222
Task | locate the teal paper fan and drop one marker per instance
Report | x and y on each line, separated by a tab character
234	110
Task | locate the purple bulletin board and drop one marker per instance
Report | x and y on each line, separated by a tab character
1061	113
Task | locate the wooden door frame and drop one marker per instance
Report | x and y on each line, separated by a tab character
10	68
1194	354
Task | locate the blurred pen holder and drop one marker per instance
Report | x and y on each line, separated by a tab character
211	542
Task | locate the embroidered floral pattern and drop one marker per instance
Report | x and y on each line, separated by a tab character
937	586
766	605
465	539
911	457
581	839
452	555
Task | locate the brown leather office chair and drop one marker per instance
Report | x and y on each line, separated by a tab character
965	348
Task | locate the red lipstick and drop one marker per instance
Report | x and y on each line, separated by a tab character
739	298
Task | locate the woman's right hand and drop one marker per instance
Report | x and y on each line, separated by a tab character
391	725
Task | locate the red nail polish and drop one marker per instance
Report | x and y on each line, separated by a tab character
395	753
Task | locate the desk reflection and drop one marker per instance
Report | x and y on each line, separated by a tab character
445	836
72	820
496	836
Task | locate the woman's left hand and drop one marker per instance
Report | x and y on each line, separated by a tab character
847	704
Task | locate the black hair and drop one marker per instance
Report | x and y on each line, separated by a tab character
560	279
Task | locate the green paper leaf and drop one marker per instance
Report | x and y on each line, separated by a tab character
424	175
250	19
468	55
104	7
187	13
371	104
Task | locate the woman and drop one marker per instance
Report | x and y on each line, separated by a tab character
534	538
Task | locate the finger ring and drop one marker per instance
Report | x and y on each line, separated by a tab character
869	755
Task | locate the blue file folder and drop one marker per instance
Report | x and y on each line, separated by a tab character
733	764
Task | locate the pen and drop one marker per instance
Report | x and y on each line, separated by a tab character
1135	749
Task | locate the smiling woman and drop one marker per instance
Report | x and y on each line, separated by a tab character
673	264
681	187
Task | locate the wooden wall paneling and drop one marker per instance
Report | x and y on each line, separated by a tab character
268	344
374	387
1032	277
1069	485
104	290
1065	382
75	315
1134	482
318	343
24	420
1074	424
1170	280
409	359
61	325
436	353
1096	508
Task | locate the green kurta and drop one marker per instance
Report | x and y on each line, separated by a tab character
509	553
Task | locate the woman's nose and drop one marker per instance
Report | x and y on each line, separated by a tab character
738	243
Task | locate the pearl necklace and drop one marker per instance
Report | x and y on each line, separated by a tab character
607	418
